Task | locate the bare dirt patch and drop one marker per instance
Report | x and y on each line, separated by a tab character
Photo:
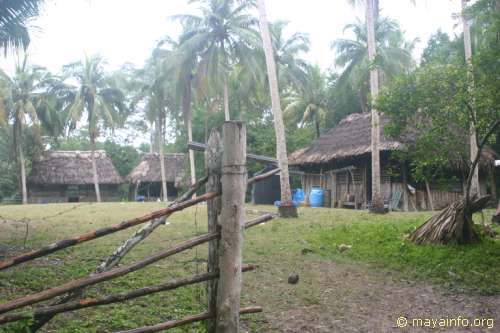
354	298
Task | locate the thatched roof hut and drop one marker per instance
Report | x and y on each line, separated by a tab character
339	162
350	138
148	169
73	168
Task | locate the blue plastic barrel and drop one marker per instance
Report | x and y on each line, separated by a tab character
316	196
298	195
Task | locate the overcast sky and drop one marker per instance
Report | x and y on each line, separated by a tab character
126	30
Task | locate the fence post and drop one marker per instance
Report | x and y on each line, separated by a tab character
213	161
232	216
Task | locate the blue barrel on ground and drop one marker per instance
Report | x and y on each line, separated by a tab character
316	196
298	195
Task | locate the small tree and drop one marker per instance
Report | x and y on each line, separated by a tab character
431	112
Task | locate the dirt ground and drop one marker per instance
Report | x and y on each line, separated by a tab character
354	298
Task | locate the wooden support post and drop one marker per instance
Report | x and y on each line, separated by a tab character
336	182
213	164
493	184
233	181
405	187
429	194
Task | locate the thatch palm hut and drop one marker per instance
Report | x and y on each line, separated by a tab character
145	178
66	176
339	161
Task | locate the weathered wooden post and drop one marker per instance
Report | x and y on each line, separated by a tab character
213	164
232	216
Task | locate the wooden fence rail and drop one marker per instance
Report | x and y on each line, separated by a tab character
60	245
188	320
226	185
102	232
117	272
114	298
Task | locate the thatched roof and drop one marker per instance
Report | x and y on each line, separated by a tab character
73	168
148	169
351	137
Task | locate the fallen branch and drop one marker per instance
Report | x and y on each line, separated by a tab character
102	232
114	298
117	272
188	320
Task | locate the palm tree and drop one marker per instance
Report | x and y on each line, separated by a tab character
95	97
220	38
186	64
290	67
468	60
309	103
14	19
377	202
26	98
375	56
160	100
286	209
393	55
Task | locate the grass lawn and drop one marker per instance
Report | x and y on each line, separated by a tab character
308	245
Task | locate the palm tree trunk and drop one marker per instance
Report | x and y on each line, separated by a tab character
227	116
94	168
286	209
186	110
377	203
152	139
472	130
362	101
161	139
20	156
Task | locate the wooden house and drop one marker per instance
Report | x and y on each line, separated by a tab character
66	176
339	161
145	178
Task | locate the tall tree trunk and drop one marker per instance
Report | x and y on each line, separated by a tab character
152	138
362	101
377	202
20	159
161	141
186	110
227	116
286	209
94	168
472	130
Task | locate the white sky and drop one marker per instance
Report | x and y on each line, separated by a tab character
126	30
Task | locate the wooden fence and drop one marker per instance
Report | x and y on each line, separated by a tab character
226	183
